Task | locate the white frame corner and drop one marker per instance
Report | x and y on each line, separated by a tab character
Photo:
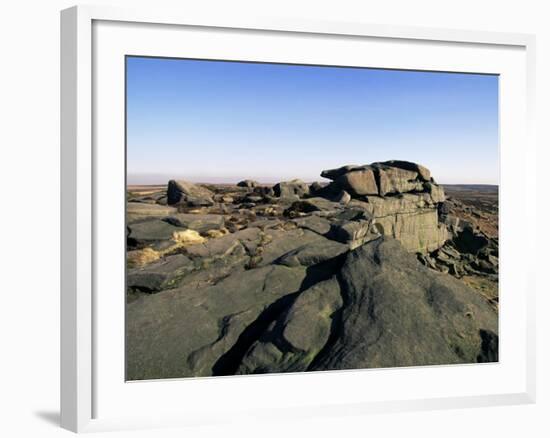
77	197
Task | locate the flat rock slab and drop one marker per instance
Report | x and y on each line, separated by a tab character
281	242
151	230
198	222
211	271
335	173
315	204
225	245
349	231
422	171
184	332
389	177
160	275
358	182
313	223
136	211
313	253
154	197
265	224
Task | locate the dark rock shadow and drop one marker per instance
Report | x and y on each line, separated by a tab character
229	362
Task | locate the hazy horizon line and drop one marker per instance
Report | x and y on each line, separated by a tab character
157	179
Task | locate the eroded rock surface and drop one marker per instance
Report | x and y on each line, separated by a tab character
181	191
399	313
137	211
376	268
291	189
184	332
401	198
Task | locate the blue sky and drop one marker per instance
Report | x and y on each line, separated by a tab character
217	121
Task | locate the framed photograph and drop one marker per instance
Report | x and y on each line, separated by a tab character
308	218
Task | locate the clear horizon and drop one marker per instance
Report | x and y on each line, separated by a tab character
221	121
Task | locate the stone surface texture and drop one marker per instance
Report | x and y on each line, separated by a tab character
376	266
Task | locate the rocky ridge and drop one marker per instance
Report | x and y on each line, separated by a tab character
369	270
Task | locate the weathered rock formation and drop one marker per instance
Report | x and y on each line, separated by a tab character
291	189
136	211
192	194
469	253
376	306
248	183
400	199
370	270
381	309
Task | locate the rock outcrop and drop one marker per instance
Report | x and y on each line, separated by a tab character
248	183
291	189
400	314
376	307
374	269
198	222
381	309
185	331
400	199
186	192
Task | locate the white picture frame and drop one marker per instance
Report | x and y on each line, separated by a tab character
85	374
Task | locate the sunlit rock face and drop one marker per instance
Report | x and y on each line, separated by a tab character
400	199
